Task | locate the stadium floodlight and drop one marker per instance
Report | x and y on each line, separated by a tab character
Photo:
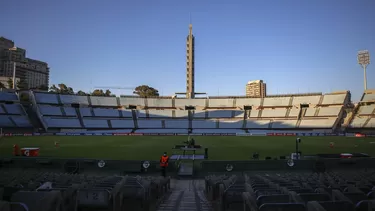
364	60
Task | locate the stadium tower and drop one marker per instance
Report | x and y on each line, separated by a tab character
190	91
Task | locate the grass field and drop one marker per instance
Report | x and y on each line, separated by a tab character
151	147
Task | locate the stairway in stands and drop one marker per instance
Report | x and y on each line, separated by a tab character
186	195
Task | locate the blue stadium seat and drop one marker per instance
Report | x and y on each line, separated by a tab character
203	124
95	123
5	121
74	99
8	97
149	123
14	109
62	122
46	98
69	111
103	101
48	110
180	123
21	121
123	123
106	112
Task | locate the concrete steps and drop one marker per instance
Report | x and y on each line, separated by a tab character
187	195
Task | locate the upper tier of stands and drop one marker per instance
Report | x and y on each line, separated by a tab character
282	101
365	115
12	113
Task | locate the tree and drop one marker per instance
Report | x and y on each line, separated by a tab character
82	93
43	87
22	84
10	83
62	89
100	92
2	86
146	91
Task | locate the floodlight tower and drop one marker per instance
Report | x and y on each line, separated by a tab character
364	60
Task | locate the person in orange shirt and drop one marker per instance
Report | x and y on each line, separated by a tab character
16	150
164	164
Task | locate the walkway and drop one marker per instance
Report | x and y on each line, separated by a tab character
187	195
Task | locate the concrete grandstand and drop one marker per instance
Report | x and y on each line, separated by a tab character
328	112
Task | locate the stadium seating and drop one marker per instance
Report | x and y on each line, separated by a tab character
8	96
122	123
199	114
189	102
166	131
276	101
203	124
366	109
178	123
368	97
46	98
317	123
47	110
281	124
12	113
329	111
39	190
292	191
149	123
241	102
55	122
159	103
334	99
220	103
106	112
181	114
278	112
127	101
230	124
73	99
218	131
273	112
294	112
306	100
69	111
160	113
95	123
219	113
103	101
86	112
255	124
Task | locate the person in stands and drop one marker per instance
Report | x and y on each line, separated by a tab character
164	163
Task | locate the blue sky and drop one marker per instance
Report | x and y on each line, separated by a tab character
295	46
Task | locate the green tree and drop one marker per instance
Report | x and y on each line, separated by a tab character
146	91
100	92
10	83
82	93
43	87
2	86
62	89
22	84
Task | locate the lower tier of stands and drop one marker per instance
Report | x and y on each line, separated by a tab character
97	123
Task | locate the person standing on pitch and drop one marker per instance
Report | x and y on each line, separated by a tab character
164	164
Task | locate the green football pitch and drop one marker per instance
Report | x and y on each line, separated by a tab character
151	147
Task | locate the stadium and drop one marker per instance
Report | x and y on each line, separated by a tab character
67	151
79	135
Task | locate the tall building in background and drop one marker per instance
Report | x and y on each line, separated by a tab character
190	89
256	89
35	73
